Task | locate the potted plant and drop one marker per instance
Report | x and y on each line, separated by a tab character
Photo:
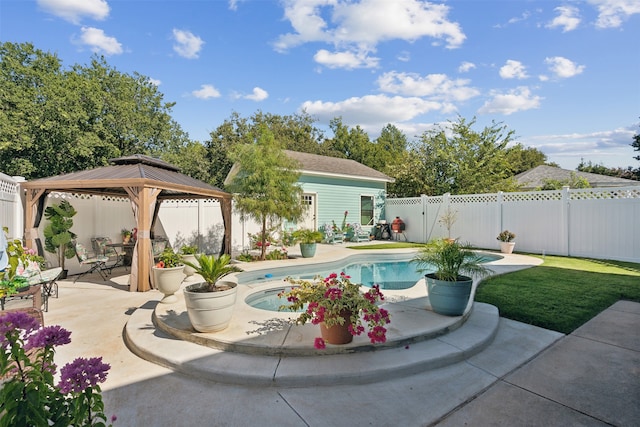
168	274
13	285
339	307
447	219
308	240
126	235
210	303
449	287
58	237
506	241
188	253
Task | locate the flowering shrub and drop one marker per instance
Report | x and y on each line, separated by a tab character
169	259
21	260
327	298
28	395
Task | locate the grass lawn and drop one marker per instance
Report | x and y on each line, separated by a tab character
562	293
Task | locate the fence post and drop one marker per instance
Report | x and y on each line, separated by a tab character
565	221
500	202
423	234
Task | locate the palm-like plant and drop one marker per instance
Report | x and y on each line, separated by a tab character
451	259
212	269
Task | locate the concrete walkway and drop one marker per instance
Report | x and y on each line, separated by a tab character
526	376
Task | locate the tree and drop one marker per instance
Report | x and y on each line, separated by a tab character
459	160
521	159
55	121
574	181
295	132
265	186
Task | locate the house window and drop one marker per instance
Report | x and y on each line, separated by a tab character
366	210
307	199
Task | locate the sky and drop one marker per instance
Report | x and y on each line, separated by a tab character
564	76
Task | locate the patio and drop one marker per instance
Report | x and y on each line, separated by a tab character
478	389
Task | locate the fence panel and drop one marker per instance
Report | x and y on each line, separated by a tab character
596	222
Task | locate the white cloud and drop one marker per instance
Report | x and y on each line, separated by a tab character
360	26
519	99
155	82
568	18
74	10
187	44
563	67
611	13
98	41
371	110
206	92
404	56
466	66
513	70
435	86
258	94
347	60
604	146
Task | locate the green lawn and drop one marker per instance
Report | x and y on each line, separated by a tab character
562	293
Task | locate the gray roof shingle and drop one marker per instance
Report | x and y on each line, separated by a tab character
534	178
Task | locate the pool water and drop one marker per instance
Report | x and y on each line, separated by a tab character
390	275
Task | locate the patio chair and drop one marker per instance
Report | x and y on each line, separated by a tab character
331	236
158	245
101	247
359	235
95	261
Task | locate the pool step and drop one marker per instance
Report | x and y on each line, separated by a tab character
403	355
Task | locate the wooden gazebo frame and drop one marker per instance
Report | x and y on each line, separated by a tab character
146	181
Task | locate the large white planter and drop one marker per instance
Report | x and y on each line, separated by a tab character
507	247
210	311
168	281
189	271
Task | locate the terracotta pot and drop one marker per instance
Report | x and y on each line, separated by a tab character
337	334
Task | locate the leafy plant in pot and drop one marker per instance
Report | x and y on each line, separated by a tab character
168	274
210	303
506	241
449	286
308	240
188	254
58	237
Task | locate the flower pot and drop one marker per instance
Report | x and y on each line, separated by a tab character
507	247
210	311
337	334
168	281
189	271
126	239
448	298
308	250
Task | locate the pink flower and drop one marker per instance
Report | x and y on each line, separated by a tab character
319	344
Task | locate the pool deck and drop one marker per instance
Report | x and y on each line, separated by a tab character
523	375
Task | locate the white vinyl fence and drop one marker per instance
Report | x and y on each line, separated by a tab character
11	205
595	222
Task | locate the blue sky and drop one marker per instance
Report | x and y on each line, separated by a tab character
564	75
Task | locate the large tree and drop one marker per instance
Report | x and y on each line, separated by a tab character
56	121
459	160
265	185
296	132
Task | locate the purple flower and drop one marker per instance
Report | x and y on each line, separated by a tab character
82	373
48	336
17	320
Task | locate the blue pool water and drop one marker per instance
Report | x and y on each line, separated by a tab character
391	275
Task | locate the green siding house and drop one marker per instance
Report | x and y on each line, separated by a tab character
333	186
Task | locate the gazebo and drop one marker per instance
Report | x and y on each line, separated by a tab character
146	181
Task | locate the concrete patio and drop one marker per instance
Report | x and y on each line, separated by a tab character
523	375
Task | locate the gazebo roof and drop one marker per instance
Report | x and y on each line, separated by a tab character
131	171
143	179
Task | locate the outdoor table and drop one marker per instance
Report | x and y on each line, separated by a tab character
128	253
46	278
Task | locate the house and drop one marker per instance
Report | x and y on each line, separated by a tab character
333	187
535	178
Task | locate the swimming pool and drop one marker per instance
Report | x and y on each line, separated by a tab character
390	272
